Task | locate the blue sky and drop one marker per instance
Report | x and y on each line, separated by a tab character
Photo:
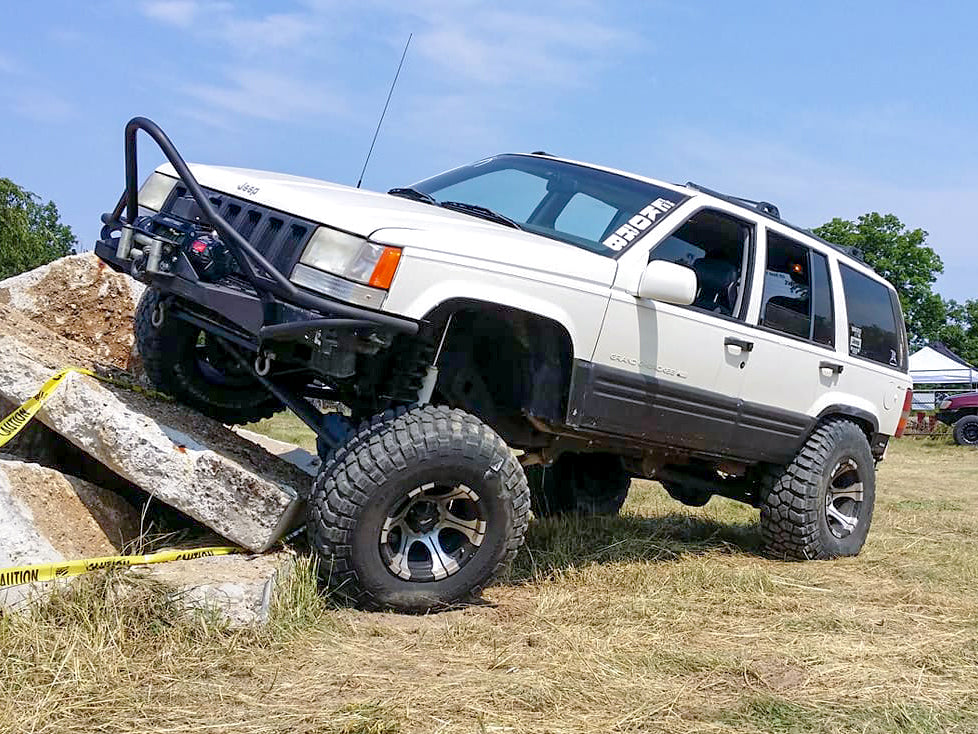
827	109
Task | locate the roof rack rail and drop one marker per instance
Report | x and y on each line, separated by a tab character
770	211
764	207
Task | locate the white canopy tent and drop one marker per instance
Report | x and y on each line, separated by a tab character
936	365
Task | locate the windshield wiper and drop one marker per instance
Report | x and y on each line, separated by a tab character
482	212
413	194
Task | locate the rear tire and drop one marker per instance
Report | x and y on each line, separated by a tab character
417	511
821	505
966	431
579	484
179	361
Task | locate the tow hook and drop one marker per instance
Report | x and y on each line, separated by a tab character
263	363
159	315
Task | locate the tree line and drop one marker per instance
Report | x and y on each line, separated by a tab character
32	234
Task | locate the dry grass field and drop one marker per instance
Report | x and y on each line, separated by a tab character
662	620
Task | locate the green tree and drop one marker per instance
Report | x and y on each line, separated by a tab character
31	233
902	256
960	329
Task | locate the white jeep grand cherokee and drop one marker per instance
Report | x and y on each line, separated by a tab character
606	325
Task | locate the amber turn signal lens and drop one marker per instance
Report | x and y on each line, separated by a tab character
385	268
905	415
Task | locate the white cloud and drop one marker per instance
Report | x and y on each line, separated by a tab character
7	65
278	30
180	13
472	66
556	46
267	95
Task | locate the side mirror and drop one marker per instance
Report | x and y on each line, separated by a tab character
668	282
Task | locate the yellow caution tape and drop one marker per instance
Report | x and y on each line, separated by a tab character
13	423
10	427
52	571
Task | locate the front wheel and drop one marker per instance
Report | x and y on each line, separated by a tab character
417	511
821	505
966	431
186	362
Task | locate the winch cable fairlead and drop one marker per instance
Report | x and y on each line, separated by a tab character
10	427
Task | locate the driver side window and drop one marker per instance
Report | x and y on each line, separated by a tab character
717	247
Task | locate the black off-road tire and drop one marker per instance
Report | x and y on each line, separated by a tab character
378	467
795	520
966	431
579	484
169	354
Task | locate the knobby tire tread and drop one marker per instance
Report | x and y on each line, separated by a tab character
381	446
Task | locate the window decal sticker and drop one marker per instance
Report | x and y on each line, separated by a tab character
636	227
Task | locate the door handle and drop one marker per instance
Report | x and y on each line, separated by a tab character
831	366
732	341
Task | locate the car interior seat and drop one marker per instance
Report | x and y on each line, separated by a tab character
716	280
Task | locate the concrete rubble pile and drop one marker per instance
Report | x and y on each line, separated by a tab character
107	450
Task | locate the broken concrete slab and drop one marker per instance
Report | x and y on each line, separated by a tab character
48	517
240	588
81	299
182	458
78	519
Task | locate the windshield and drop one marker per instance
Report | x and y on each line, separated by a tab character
594	210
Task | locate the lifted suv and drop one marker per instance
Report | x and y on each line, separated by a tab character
606	325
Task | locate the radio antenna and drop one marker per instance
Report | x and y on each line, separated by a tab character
381	120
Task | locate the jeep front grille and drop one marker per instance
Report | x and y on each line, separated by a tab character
278	236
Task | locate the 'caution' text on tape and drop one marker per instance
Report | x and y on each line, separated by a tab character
52	571
13	423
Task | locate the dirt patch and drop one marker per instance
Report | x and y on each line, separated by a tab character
44	344
79	519
79	298
777	673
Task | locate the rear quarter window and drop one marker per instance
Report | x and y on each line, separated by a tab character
875	325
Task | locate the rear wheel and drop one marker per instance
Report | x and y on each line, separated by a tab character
186	362
966	431
418	510
580	484
821	505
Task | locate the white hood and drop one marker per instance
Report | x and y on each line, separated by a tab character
397	221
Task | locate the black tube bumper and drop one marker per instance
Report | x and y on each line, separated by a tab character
255	318
265	304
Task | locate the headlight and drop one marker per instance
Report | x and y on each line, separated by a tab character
351	257
945	404
155	191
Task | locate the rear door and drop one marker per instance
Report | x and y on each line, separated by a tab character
875	352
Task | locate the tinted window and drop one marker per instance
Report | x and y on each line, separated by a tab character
596	210
508	191
787	302
585	216
873	330
714	245
823	328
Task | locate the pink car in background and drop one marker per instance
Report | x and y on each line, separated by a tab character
961	413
